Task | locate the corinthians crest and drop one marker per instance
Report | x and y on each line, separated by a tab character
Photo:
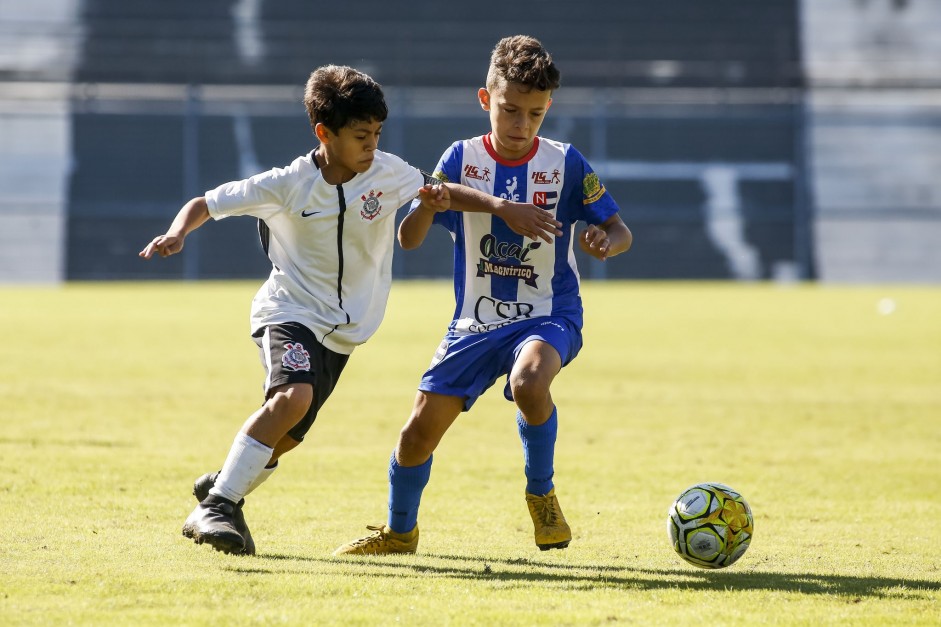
295	357
371	206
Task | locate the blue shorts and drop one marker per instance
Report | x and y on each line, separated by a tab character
467	365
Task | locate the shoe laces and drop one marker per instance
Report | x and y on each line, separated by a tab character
378	536
545	510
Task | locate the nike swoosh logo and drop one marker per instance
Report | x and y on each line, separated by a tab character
304	214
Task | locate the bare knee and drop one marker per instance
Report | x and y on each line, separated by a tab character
285	407
291	400
416	443
530	389
431	417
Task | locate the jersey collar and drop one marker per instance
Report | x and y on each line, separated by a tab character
488	144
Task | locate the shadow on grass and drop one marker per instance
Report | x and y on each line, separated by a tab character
523	570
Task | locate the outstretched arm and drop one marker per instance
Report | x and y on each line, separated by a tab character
415	227
610	238
193	215
523	219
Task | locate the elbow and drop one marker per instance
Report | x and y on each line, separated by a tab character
628	240
620	243
407	243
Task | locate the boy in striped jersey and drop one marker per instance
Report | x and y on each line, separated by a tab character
518	309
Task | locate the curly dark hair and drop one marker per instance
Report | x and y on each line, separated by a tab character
523	60
336	95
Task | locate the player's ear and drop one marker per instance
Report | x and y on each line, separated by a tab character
484	97
548	104
322	132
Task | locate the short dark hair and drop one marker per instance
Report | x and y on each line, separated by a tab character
336	95
523	60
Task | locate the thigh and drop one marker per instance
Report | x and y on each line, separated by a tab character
466	366
558	333
291	353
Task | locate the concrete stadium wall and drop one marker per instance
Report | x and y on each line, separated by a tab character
39	38
874	136
876	159
34	173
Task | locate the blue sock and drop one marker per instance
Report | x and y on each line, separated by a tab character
405	487
539	452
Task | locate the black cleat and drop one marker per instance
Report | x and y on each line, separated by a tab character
213	522
202	485
201	489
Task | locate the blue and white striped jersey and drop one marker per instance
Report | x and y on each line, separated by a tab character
501	277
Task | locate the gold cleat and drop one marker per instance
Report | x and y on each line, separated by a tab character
552	532
382	541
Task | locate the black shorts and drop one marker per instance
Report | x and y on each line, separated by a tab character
291	354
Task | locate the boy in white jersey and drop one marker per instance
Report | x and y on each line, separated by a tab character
518	309
327	224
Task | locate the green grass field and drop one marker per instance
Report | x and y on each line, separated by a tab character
822	411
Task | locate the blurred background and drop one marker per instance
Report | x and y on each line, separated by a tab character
751	140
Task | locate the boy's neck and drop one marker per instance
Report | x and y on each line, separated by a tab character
331	172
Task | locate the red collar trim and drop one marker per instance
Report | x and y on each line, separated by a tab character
525	158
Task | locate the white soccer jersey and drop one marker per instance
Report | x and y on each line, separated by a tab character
330	245
501	277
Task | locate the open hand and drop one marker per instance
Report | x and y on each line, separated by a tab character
531	221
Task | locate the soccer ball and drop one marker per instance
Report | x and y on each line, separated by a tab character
710	525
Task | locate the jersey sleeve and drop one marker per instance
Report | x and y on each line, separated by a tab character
448	170
260	196
586	195
405	178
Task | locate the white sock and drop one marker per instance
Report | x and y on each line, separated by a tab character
260	479
246	460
